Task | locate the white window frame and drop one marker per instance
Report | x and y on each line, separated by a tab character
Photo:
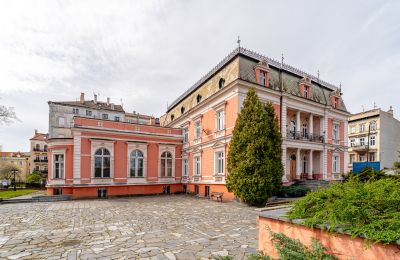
336	132
372	125
185	167
352	142
217	162
61	121
185	132
372	140
54	153
95	145
197	129
352	158
362	128
220	120
370	159
335	163
363	141
161	150
352	129
132	147
196	167
262	78
363	158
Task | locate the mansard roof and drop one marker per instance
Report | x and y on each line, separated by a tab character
320	92
99	105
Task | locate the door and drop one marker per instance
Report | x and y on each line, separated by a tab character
207	192
292	167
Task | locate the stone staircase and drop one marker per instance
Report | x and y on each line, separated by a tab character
313	184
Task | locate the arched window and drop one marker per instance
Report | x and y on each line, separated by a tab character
166	164
136	158
172	117
221	83
182	110
45	147
102	160
304	130
198	98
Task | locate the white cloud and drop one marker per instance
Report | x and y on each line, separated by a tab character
148	52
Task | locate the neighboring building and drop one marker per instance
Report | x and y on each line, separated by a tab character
108	158
374	136
21	160
38	154
92	157
311	114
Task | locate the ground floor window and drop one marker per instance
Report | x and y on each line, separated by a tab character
166	164
335	167
57	192
102	163
185	168
372	157
58	166
196	189
352	158
197	166
219	160
102	193
184	189
167	189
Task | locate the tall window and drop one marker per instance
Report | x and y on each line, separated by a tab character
335	133
304	130
262	79
75	111
220	120
102	163
197	129
185	170
61	121
58	166
362	141
45	148
352	129
372	140
352	158
166	164
372	157
116	118
372	126
306	91
362	158
185	135
219	167
362	128
197	169
335	164
37	147
136	159
88	113
105	116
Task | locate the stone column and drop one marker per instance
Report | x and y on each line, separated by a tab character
298	164
311	124
284	118
310	166
298	123
77	158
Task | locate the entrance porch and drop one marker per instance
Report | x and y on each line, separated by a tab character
303	164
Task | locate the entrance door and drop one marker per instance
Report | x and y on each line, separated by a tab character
292	167
207	192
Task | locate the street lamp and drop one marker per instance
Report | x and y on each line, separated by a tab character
15	184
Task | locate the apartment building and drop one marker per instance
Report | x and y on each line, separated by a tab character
311	113
373	137
20	160
38	153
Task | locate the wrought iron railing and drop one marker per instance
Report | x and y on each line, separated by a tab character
305	136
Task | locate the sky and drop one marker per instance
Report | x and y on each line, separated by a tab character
146	53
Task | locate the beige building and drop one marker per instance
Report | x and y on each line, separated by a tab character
21	160
38	157
374	137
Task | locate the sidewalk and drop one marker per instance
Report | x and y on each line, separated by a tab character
30	196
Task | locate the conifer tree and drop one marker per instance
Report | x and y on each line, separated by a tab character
255	151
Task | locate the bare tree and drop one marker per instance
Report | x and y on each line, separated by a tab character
7	115
6	170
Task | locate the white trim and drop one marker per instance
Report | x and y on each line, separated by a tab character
166	148
77	157
53	154
216	152
195	155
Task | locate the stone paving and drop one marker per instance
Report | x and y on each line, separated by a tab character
153	227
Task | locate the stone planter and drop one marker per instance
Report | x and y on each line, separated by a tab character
341	245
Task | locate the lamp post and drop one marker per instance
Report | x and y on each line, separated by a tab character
15	184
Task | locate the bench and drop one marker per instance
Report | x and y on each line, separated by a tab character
217	195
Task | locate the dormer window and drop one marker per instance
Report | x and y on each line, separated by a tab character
172	117
221	83
182	110
198	98
306	92
262	80
335	102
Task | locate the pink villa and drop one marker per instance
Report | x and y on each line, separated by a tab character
96	149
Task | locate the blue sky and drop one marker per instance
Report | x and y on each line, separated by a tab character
148	52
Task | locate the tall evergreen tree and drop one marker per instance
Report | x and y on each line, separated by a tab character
255	151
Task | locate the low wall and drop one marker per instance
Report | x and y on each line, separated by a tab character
340	245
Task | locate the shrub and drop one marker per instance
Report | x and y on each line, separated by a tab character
293	191
370	208
254	160
34	180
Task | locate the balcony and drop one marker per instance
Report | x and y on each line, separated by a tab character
40	160
291	135
359	147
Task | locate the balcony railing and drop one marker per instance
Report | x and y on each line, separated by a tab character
305	136
359	147
40	160
39	150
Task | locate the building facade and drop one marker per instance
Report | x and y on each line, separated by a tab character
38	153
311	113
110	158
92	157
18	159
374	137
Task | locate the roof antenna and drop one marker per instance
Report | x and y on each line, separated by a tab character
282	61
122	104
318	75
340	88
362	108
374	105
238	42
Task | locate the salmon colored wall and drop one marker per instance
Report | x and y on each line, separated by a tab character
120	161
85	160
342	246
330	127
341	132
178	162
277	109
207	162
341	162
152	161
208	125
330	154
231	113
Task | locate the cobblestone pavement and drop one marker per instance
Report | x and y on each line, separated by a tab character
153	227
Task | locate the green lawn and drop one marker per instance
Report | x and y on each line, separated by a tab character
11	193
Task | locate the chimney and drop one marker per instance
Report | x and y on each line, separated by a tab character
390	110
108	101
36	131
152	121
82	99
95	99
